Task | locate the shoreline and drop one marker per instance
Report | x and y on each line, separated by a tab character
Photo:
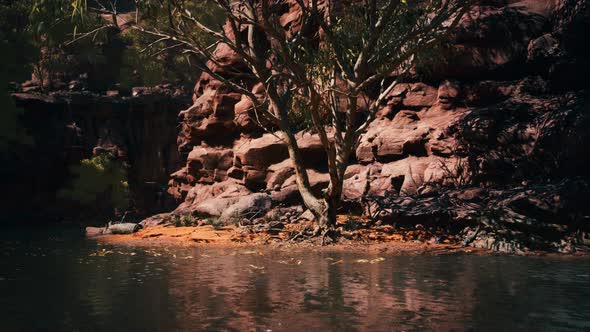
228	237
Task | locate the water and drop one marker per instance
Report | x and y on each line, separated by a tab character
58	281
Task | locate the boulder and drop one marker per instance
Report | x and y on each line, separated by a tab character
288	193
405	119
318	181
420	95
227	188
395	144
254	179
247	207
441	144
312	150
409	171
156	220
213	207
278	174
364	180
212	200
307	215
245	115
447	171
212	113
388	140
262	152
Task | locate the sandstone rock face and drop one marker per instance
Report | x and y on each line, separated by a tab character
208	165
262	152
500	104
493	38
212	200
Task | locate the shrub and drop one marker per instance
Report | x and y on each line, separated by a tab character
185	220
100	181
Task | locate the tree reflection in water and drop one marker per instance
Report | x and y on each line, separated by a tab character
79	286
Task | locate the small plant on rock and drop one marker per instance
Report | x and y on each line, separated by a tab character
176	221
185	220
215	223
188	220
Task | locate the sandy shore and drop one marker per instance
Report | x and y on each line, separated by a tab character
234	237
231	237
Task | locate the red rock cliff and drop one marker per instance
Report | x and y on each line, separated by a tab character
509	105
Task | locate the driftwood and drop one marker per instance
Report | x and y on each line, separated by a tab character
126	228
95	231
110	228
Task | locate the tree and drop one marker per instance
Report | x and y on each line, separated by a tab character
99	183
336	65
14	60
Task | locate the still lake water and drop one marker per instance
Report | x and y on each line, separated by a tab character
55	280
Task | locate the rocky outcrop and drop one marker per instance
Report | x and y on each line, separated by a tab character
497	111
498	121
67	127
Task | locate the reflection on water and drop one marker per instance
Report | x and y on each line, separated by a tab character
51	282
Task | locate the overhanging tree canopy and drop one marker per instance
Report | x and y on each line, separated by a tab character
336	63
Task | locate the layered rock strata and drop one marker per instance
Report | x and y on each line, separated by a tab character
507	104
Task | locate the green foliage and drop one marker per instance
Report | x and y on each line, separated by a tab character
51	19
59	39
299	119
150	60
141	67
186	220
99	180
17	53
214	222
36	34
18	50
352	31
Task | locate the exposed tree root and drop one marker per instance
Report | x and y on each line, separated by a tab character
326	235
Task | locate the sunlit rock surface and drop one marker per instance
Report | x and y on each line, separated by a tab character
498	104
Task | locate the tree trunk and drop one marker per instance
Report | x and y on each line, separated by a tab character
309	199
324	209
328	216
331	203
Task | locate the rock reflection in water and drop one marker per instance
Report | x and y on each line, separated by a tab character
82	287
237	291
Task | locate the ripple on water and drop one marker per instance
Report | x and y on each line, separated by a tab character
66	287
